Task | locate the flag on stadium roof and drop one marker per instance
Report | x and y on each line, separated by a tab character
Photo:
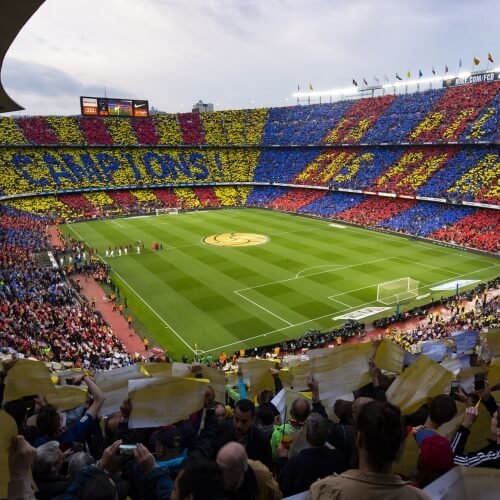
398	77
386	80
298	88
433	71
376	80
408	74
354	82
476	61
460	63
420	74
490	57
310	86
446	68
365	82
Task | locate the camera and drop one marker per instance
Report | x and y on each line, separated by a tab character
127	449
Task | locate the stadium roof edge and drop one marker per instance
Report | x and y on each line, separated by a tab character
13	16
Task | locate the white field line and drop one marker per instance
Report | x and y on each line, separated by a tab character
427	265
167	325
313	274
303	322
116	223
435	247
316	267
263	308
340	302
241	341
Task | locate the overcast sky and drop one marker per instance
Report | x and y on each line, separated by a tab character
235	53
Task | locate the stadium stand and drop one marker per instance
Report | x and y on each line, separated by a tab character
227	435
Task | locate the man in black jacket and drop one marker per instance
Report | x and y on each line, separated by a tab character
489	456
242	430
311	464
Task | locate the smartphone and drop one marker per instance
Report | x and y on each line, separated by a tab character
479	382
127	449
30	405
455	386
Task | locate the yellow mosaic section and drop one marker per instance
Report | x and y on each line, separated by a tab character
358	131
234	126
231	196
100	199
236	239
401	166
187	197
42	205
10	133
333	136
353	168
430	122
66	129
121	131
422	173
12	182
324	167
144	195
168	129
486	172
477	131
450	132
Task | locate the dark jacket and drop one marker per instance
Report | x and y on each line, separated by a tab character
50	485
308	466
489	456
256	443
341	436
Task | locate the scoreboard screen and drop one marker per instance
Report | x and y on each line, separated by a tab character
106	106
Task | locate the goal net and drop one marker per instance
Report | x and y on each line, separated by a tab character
392	292
169	211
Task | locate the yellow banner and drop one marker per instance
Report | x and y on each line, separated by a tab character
157	402
27	378
390	357
114	384
8	430
217	378
257	372
493	339
341	370
296	376
422	380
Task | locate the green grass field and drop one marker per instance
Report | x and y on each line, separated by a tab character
195	296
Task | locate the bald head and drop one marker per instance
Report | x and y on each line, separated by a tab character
300	409
232	459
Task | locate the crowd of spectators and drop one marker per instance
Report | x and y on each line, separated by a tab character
234	448
239	448
40	312
464	113
451	172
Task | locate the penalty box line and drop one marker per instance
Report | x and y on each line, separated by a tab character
327	315
313	274
296	277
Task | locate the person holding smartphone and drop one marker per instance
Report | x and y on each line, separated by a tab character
489	456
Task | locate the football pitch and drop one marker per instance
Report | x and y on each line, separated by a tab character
240	278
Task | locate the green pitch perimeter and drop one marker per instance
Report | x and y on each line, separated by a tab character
300	275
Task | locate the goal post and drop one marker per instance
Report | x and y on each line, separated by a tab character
392	292
168	210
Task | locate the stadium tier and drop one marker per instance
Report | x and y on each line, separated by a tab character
423	164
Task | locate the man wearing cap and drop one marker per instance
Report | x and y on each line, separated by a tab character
436	457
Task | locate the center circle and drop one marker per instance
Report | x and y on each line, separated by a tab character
235	239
